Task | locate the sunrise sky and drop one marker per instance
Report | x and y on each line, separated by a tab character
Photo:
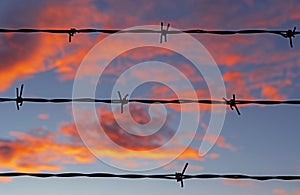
264	140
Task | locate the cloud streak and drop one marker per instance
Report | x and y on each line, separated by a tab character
284	192
39	150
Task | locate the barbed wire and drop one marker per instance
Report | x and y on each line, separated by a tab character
178	176
232	103
290	33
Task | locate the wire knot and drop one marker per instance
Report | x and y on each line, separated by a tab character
123	100
232	103
163	31
180	176
19	98
290	34
72	32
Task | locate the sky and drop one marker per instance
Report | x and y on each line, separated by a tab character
68	138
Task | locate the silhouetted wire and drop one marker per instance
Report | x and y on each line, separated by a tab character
157	176
192	31
178	176
151	101
163	32
233	102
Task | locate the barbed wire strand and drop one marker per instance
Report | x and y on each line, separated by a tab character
232	103
178	176
290	33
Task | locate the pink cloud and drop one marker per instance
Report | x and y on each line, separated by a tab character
271	92
269	83
214	155
237	182
43	116
49	51
236	83
220	141
141	147
284	192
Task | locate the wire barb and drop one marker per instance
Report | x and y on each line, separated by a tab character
19	98
290	34
123	100
232	103
163	31
72	32
180	176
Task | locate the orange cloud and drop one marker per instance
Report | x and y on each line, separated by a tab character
139	147
52	51
26	55
280	191
262	79
283	192
39	152
214	155
5	179
271	92
164	92
243	84
220	141
145	53
16	57
236	83
43	116
237	182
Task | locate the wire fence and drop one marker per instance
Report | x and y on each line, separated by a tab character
164	31
232	103
178	176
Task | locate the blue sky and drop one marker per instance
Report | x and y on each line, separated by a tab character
44	137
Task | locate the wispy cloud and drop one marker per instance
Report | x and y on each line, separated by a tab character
43	116
284	192
39	150
220	141
237	182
